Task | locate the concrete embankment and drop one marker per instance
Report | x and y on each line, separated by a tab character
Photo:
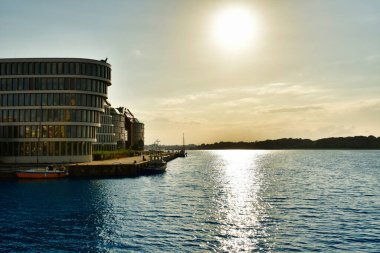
106	170
122	167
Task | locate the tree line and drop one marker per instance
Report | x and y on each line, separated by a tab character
356	142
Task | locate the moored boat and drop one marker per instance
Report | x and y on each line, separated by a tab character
49	172
156	165
182	153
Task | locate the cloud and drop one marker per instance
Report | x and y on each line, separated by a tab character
369	19
330	130
202	95
169	121
242	102
354	105
136	53
373	58
367	105
280	97
296	109
342	62
188	98
287	89
172	101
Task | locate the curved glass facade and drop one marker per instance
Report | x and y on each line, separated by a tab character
50	108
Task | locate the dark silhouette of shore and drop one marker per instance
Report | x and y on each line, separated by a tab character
356	142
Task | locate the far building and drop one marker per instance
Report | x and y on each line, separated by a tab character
118	121
134	129
105	136
138	135
119	129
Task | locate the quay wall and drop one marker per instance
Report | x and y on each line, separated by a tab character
114	169
105	171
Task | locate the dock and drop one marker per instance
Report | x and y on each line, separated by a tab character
114	168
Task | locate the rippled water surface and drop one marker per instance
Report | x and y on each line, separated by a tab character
223	201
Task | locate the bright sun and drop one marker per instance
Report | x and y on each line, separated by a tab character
234	28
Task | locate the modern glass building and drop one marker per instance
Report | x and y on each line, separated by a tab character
50	108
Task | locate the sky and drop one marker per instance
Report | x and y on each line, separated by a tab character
307	69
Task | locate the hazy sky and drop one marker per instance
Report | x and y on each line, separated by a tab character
311	68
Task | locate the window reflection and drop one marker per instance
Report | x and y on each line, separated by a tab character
69	83
44	131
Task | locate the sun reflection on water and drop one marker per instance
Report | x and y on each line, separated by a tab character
241	209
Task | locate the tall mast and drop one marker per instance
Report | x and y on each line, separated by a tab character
183	141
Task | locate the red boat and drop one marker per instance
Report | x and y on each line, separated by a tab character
43	173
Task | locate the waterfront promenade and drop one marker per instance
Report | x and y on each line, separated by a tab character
119	167
123	160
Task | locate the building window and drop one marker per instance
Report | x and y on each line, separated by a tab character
22	118
43	68
50	131
44	131
54	68
38	68
63	148
66	84
32	99
4	100
45	148
38	99
51	148
60	68
65	68
43	83
26	83
69	148
19	84
27	115
55	99
55	85
44	99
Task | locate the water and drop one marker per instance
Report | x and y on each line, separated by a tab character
223	201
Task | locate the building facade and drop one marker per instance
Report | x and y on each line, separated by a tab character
105	136
134	129
138	135
118	121
50	108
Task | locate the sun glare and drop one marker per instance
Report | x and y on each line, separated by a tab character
234	28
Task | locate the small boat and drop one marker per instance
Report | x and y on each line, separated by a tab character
182	153
48	172
156	165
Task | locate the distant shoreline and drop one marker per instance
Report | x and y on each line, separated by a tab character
332	143
287	149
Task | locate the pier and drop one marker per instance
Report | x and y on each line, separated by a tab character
114	168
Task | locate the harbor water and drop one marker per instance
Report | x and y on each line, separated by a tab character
222	201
